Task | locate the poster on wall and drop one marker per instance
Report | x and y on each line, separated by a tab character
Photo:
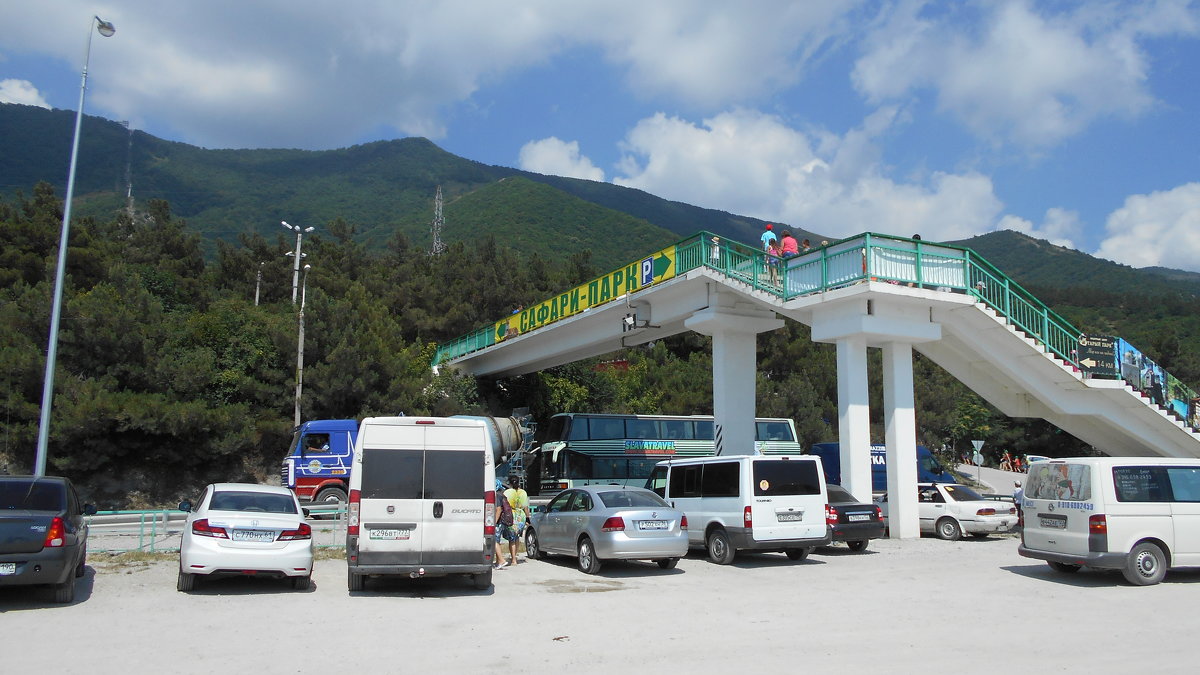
1098	355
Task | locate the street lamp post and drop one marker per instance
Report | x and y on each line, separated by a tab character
258	282
105	29
297	255
300	346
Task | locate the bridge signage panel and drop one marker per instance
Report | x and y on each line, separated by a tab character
653	269
1098	355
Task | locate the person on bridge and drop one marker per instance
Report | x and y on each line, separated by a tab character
789	245
768	237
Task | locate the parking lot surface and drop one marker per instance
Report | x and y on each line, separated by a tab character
925	606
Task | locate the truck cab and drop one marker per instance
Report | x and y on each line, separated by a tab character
317	466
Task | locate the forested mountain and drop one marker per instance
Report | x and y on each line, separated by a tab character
169	375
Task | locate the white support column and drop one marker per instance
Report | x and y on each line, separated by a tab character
733	332
854	416
901	436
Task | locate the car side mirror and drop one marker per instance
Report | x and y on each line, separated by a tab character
89	509
304	511
185	505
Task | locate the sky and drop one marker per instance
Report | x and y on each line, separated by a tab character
1074	122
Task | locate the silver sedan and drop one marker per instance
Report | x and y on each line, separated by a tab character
608	522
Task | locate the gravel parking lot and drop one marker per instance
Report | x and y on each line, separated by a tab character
923	606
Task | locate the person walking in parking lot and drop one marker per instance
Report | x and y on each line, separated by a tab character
518	500
504	528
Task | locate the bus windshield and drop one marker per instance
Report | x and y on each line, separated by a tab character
587	448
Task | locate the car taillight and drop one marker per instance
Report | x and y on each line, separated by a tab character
986	512
489	513
1097	524
56	533
202	528
831	515
878	512
683	523
352	512
747	518
302	532
614	524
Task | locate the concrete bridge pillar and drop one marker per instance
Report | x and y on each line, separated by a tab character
734	329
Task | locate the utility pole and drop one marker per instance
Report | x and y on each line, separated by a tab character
258	282
438	222
297	255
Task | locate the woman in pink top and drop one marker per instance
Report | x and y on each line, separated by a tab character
789	245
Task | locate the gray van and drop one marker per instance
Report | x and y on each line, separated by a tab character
748	503
422	500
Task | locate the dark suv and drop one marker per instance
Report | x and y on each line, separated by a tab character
43	534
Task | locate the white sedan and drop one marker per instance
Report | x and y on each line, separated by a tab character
245	529
948	510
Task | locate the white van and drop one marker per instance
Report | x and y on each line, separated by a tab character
753	502
422	499
1136	514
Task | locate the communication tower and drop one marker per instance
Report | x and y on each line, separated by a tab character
438	221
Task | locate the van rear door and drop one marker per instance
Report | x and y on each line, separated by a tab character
1057	504
455	483
787	499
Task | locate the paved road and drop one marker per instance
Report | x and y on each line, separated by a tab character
916	606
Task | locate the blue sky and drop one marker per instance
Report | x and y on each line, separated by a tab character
1070	121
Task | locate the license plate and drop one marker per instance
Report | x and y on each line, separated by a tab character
858	517
652	524
8	568
395	535
1053	523
789	517
254	535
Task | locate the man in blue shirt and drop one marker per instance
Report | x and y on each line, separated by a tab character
767	237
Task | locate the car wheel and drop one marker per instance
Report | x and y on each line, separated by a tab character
80	568
797	553
1065	568
1146	565
329	497
186	582
720	550
482	581
948	529
533	548
355	582
65	592
302	583
857	546
667	563
588	562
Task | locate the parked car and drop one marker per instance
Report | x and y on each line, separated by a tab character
245	529
43	534
608	522
948	510
852	521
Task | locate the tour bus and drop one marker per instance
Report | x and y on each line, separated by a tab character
591	448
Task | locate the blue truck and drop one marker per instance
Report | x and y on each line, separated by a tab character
929	470
317	466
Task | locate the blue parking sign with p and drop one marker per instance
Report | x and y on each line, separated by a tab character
648	271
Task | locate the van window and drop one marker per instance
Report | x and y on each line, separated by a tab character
685	481
454	475
720	479
1140	484
658	481
786	477
392	474
1185	483
1059	481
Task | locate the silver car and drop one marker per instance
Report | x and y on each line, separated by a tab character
608	522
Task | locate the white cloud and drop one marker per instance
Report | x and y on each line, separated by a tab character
21	91
1014	73
750	163
1060	227
558	158
1161	228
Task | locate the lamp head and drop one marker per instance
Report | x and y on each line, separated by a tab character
308	229
285	224
104	27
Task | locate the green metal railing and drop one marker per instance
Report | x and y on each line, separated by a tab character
868	256
158	530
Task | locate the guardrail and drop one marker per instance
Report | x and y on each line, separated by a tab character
160	530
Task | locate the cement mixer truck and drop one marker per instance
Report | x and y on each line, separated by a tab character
317	466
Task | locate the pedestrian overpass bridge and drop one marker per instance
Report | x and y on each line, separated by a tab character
871	290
